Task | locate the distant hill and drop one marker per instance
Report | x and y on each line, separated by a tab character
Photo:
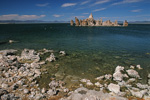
139	22
29	21
40	21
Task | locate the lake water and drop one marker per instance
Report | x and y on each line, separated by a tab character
92	51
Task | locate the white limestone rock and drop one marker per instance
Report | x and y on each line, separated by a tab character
53	84
35	65
141	86
133	73
26	91
149	76
83	80
50	92
51	58
114	88
98	84
118	76
89	83
62	53
131	80
30	55
5	86
7	52
108	76
139	67
100	78
132	67
43	90
138	94
37	71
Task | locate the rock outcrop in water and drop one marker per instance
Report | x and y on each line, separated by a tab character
71	22
91	22
125	23
77	21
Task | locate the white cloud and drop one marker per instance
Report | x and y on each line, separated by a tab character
20	17
85	2
42	5
99	9
126	1
101	2
85	13
68	4
137	10
55	15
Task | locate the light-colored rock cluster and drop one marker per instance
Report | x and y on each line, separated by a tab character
85	94
91	22
121	87
18	79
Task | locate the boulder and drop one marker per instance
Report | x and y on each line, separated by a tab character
138	94
98	84
53	84
35	65
85	94
62	53
118	76
108	76
114	88
100	78
5	86
133	73
141	86
89	83
51	58
8	52
138	67
30	55
26	91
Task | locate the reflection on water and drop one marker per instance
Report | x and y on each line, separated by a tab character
92	51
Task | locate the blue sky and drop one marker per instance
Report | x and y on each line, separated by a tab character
65	10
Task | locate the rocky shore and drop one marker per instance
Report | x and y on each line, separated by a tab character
21	70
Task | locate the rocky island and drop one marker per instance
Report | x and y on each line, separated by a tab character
91	22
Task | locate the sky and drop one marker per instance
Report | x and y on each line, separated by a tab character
65	10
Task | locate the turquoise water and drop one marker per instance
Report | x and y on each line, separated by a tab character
92	51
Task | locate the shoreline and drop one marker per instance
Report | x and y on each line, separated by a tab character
21	72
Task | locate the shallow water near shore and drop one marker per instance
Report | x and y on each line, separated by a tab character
92	51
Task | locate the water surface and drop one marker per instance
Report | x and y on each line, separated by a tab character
92	51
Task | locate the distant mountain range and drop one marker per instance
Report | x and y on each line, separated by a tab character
30	21
40	21
139	22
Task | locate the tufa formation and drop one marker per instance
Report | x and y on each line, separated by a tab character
91	22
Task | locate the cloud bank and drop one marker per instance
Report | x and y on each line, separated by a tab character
20	17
